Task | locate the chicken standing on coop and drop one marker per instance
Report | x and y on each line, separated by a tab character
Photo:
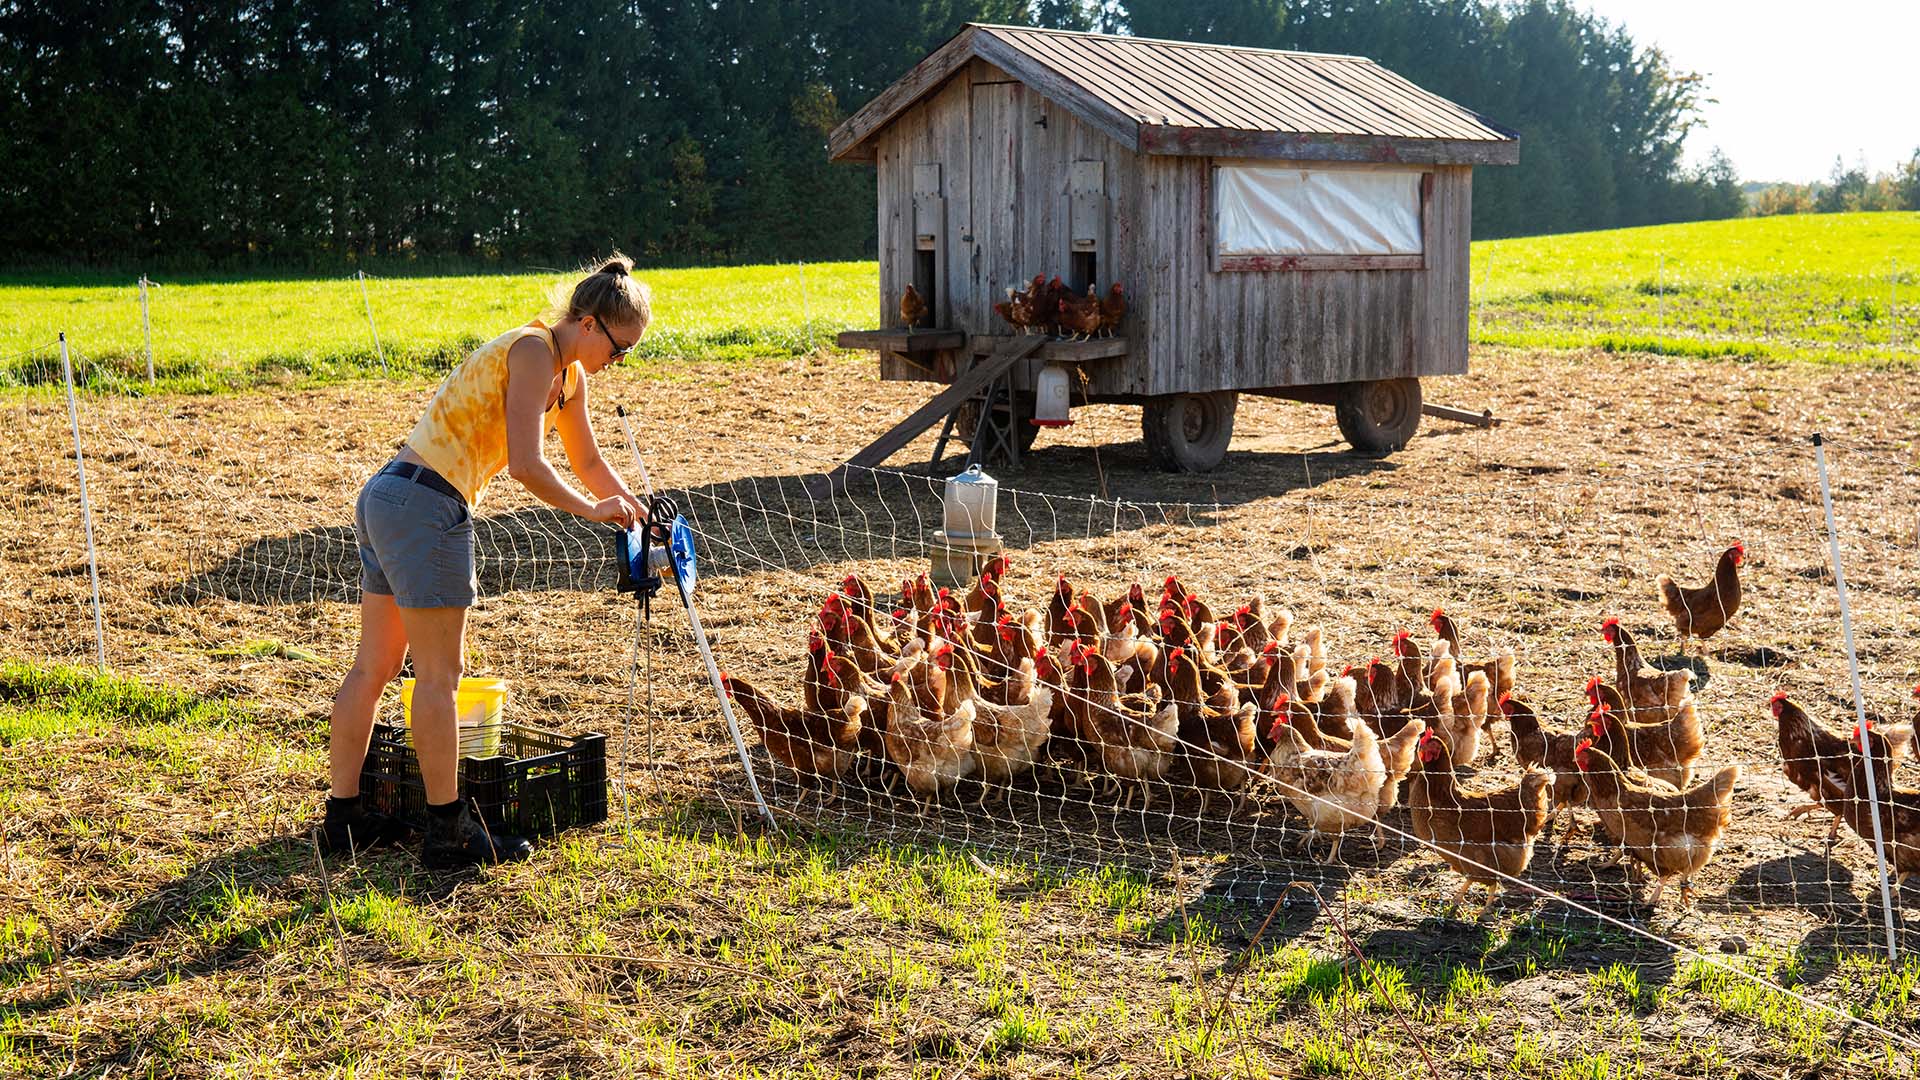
1113	308
913	308
1700	613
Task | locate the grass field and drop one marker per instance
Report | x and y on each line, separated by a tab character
1809	287
1825	287
215	334
194	939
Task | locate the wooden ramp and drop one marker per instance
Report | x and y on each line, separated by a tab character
967	384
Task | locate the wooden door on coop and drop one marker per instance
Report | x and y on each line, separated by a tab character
995	217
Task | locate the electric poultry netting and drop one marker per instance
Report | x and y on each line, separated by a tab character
1548	563
226	566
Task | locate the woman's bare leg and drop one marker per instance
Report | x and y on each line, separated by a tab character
437	637
383	646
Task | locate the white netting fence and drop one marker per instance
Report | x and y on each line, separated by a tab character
227	564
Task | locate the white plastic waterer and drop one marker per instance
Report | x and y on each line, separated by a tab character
968	510
958	551
1051	402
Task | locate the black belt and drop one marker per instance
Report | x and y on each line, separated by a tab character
425	477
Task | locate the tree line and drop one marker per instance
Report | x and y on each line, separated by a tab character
1847	188
229	133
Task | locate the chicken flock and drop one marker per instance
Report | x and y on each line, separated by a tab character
1051	307
941	693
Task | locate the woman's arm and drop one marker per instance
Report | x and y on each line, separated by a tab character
583	452
529	377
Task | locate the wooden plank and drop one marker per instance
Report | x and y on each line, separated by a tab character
974	380
1482	419
1222	142
1058	87
901	340
1267	263
847	142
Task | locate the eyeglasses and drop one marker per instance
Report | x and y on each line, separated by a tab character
620	351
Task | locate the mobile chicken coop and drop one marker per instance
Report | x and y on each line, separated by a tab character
1286	224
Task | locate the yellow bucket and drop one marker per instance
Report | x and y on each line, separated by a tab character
478	706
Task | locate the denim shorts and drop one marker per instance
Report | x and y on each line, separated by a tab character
416	544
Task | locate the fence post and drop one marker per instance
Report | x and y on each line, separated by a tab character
1660	290
1893	304
806	303
361	275
86	509
146	328
1859	703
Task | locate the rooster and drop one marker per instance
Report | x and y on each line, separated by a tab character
1487	837
1334	791
1651	693
1700	613
1671	833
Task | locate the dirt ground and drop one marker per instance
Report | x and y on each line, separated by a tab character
227	566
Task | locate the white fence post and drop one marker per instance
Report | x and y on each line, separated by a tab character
146	328
806	303
1859	704
1893	304
86	509
361	275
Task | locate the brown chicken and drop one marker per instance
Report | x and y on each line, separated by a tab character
913	308
1899	807
1651	694
1498	668
990	574
1334	790
1462	715
1218	742
1080	315
1131	740
1666	750
1046	304
1672	834
1396	754
931	747
1008	728
1487	837
1819	762
1700	613
809	742
1535	747
869	649
1113	308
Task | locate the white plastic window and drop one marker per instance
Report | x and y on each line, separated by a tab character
1283	210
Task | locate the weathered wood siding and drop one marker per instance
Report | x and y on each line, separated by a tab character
1007	180
1006	186
1247	329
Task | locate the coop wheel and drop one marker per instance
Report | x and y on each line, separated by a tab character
1381	415
1189	432
966	423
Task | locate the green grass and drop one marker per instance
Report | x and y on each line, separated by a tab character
165	910
223	334
1806	287
1813	287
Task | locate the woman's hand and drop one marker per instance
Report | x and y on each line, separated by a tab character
617	510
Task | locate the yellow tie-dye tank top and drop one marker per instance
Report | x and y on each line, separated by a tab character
463	434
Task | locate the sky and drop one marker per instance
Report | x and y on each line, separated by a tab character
1796	84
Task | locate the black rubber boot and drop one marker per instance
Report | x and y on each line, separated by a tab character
461	839
347	827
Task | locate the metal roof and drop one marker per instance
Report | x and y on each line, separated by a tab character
1178	97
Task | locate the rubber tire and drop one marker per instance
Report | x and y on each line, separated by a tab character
1379	416
968	420
1189	432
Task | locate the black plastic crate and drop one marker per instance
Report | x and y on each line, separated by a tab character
539	783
